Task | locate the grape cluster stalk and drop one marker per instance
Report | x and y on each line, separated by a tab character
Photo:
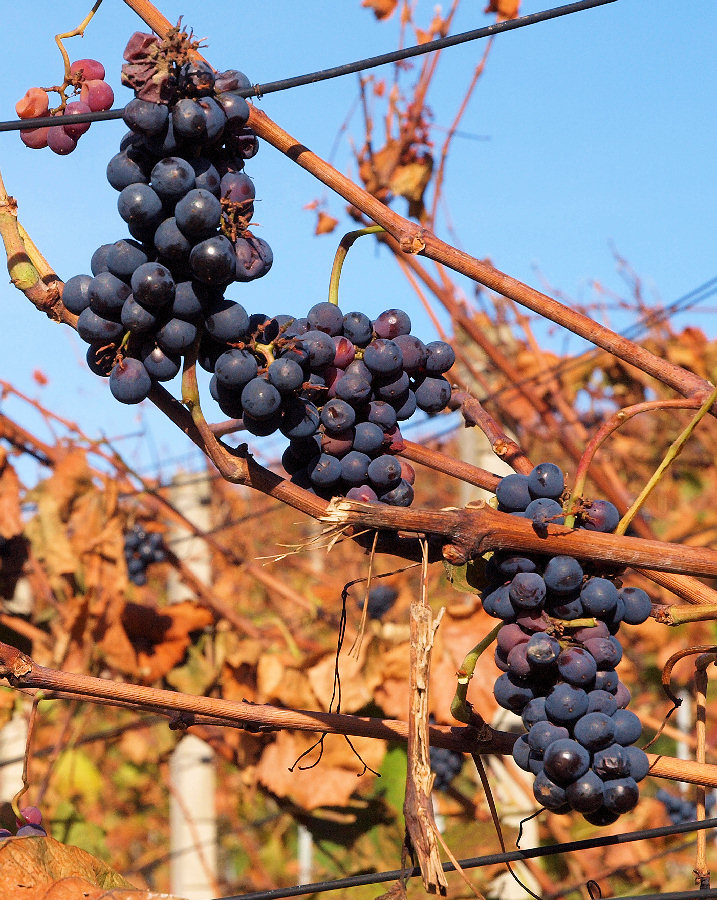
336	385
558	651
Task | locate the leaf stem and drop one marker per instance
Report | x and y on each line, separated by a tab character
76	32
460	707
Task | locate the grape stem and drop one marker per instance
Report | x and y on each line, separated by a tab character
670	456
347	241
76	32
461	709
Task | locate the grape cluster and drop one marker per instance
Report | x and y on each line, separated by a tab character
558	653
446	764
141	549
681	810
29	826
187	204
361	379
86	79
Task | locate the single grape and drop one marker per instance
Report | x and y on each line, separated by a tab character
160	365
565	704
391	323
546	480
138	204
621	795
176	336
129	381
124	169
326	317
512	492
299	419
212	261
577	667
497	603
639	764
153	285
628	727
565	761
548	793
637	605
145	117
124	257
357	328
440	356
585	794
601	702
354	468
172	178
527	590
433	394
562	575
542	650
97	94
384	473
545	511
59	141
94	329
368	438
383	357
77	129
594	731
75	293
353	389
260	398
599	597
198	213
600	515
33	104
544	733
88	69
510	635
226	321
510	694
325	472
611	762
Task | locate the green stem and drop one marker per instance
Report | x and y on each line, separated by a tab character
345	245
460	708
670	456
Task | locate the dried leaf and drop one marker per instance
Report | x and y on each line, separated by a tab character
10	514
506	9
382	9
325	223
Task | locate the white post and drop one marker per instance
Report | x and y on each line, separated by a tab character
13	736
192	806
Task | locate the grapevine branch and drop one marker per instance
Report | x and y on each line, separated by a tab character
185	710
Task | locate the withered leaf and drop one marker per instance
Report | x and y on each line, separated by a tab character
382	9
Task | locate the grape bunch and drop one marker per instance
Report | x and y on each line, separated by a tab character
187	204
680	810
87	79
558	652
446	764
29	826
141	549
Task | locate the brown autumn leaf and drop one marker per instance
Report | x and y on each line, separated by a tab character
357	685
382	9
10	515
278	682
330	783
506	9
411	180
325	223
40	378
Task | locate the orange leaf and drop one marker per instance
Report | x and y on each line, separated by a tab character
506	9
325	223
382	9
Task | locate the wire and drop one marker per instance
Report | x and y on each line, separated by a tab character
258	90
496	858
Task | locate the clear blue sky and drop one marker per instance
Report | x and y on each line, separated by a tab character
600	131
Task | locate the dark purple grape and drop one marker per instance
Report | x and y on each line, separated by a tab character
286	375
231	80
98	262
137	318
509	636
440	356
320	347
382	357
337	416
196	79
31	831
433	394
544	511
129	381
594	731
628	727
160	365
512	492
601	702
75	294
262	427
621	795
325	472
254	258
600	515
235	368
384	473
565	761
612	762
599	597
368	438
214	118
544	733
622	696
153	285
237	187
414	353
566	704
354	468
236	109
107	295
527	590
227	321
260	399
606	652
606	680
566	608
357	328
172	178
548	793
599	629
577	666
189	120
382	414
176	336
497	603
171	243
124	257
637	603
639	763
534	711
401	495
145	117
189	300
326	317
139	205
353	389
542	650
406	409
206	175
94	329
391	323
100	359
212	260
601	817
125	168
508	565
546	480
517	661
511	694
300	418
562	575
198	214
585	795
521	752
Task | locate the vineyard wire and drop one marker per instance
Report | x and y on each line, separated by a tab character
497	858
372	62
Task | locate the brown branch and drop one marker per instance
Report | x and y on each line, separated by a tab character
439	462
504	447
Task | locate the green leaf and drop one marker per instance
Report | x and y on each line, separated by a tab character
469	578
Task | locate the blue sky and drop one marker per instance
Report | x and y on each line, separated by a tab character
599	133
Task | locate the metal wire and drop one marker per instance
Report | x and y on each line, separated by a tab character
495	858
372	62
